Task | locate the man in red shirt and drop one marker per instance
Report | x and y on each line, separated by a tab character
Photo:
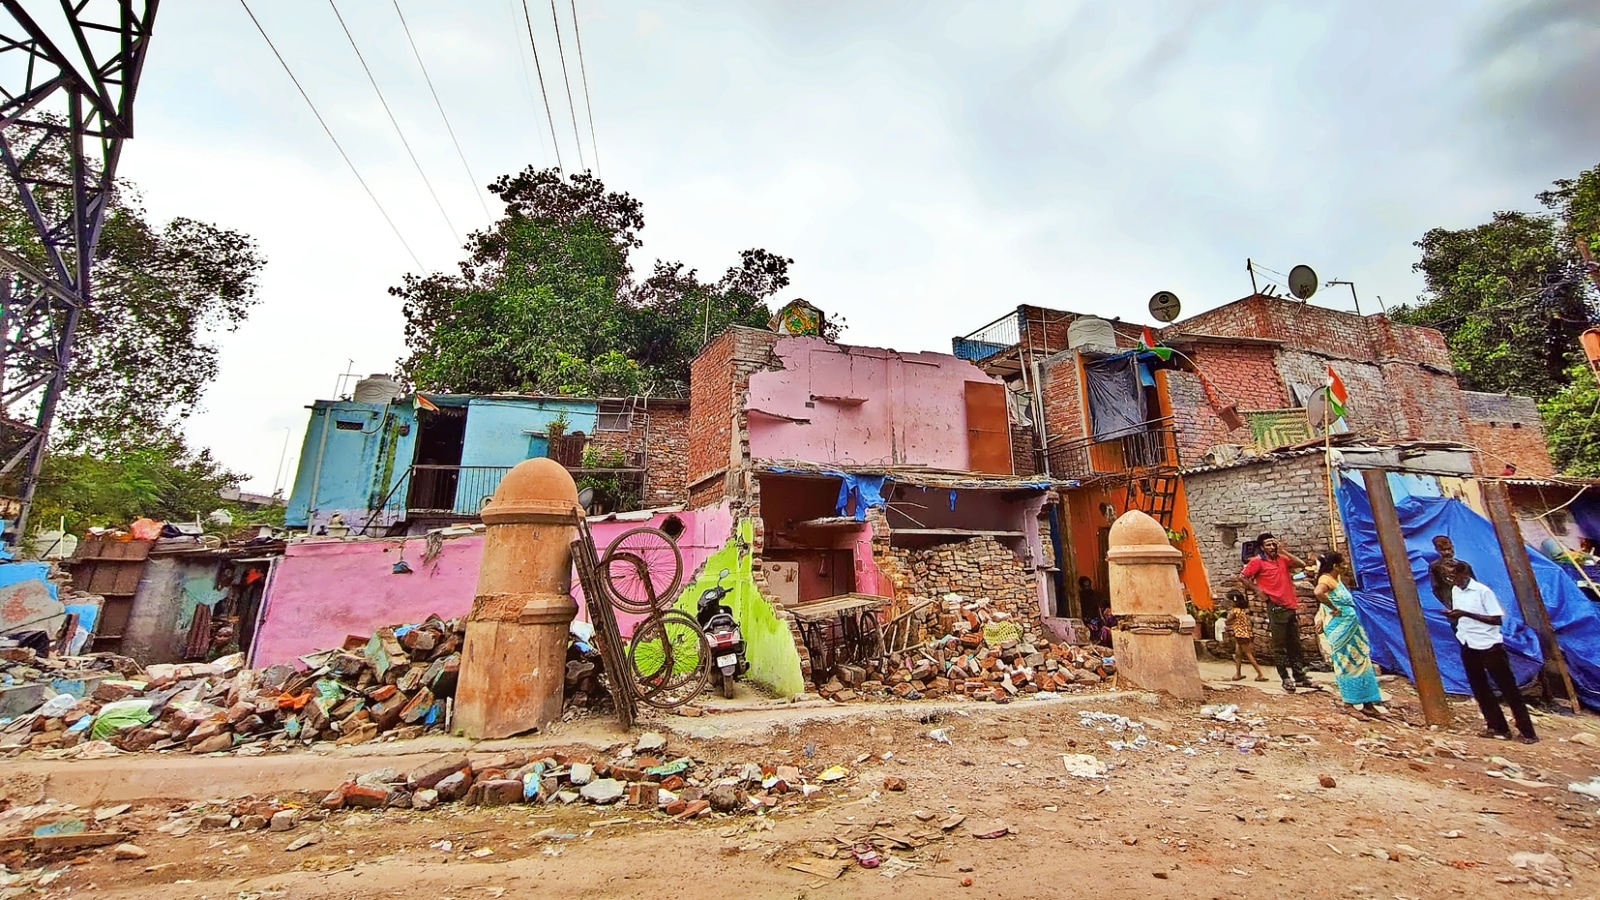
1268	572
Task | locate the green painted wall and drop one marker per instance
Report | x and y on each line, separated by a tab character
769	646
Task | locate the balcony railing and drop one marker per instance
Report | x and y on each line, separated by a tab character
992	338
460	492
1148	445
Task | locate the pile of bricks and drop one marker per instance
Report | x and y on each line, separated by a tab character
977	567
977	650
647	776
400	681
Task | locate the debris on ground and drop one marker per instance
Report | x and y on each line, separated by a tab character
400	681
973	649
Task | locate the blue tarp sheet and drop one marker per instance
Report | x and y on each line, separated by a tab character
1576	622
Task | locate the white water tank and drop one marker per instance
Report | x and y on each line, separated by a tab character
1091	333
376	389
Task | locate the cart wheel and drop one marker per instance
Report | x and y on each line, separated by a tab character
670	660
643	570
869	644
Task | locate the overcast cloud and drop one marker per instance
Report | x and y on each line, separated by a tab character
928	166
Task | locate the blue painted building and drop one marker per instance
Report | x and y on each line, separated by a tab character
423	460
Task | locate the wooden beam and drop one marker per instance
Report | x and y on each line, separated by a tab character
1419	647
1515	550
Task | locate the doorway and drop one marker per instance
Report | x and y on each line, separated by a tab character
440	437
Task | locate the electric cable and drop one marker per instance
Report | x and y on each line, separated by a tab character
526	18
395	122
477	190
588	105
571	109
329	132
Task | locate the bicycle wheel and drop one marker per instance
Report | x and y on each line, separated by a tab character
670	659
643	570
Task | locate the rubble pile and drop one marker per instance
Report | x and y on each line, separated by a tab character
400	681
645	775
974	648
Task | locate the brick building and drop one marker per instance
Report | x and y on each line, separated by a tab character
1198	441
867	472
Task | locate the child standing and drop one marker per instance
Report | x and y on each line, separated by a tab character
1243	636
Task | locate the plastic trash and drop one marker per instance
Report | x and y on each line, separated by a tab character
1083	765
1590	788
58	706
115	716
581	631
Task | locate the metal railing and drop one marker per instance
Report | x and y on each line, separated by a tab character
436	491
992	338
1148	445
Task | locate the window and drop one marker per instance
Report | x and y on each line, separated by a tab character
615	415
342	425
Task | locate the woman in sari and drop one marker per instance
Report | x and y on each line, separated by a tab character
1350	651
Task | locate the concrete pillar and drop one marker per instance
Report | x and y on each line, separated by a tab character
1154	639
513	663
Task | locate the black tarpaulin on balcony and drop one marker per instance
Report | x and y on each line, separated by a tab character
1116	395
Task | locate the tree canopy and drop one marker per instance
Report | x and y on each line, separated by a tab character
546	300
143	354
1572	424
1511	299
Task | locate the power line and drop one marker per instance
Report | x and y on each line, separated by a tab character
556	24
527	77
547	114
320	121
477	190
395	122
588	106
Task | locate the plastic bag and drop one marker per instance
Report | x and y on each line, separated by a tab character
115	716
58	706
145	529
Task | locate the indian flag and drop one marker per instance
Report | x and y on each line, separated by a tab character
1337	395
1147	343
421	402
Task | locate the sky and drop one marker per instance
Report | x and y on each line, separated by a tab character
928	166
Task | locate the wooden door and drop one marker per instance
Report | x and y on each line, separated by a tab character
988	428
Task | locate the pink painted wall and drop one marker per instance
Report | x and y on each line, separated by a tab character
322	591
914	409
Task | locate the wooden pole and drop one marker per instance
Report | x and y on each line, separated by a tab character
1327	457
1515	550
1419	647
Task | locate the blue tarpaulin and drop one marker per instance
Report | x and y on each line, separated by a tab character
865	490
1577	625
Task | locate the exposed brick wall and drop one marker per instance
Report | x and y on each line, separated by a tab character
1370	408
1426	405
711	408
1063	400
1022	448
719	382
1507	428
658	438
1286	496
1244	374
1045	330
979	568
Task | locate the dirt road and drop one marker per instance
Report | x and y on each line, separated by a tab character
1190	806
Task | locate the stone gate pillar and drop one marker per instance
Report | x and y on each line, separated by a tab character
513	662
1154	639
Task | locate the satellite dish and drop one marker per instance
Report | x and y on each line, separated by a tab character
586	498
1164	306
1302	282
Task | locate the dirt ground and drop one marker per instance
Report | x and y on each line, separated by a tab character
1190	806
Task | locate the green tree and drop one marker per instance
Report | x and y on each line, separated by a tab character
160	478
1577	202
1572	424
1510	298
546	300
145	346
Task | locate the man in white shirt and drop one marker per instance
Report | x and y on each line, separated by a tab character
1476	613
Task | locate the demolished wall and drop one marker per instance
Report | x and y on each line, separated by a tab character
977	568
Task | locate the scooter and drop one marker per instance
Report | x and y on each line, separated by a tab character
722	632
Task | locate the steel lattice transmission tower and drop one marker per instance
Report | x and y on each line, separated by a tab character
67	81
